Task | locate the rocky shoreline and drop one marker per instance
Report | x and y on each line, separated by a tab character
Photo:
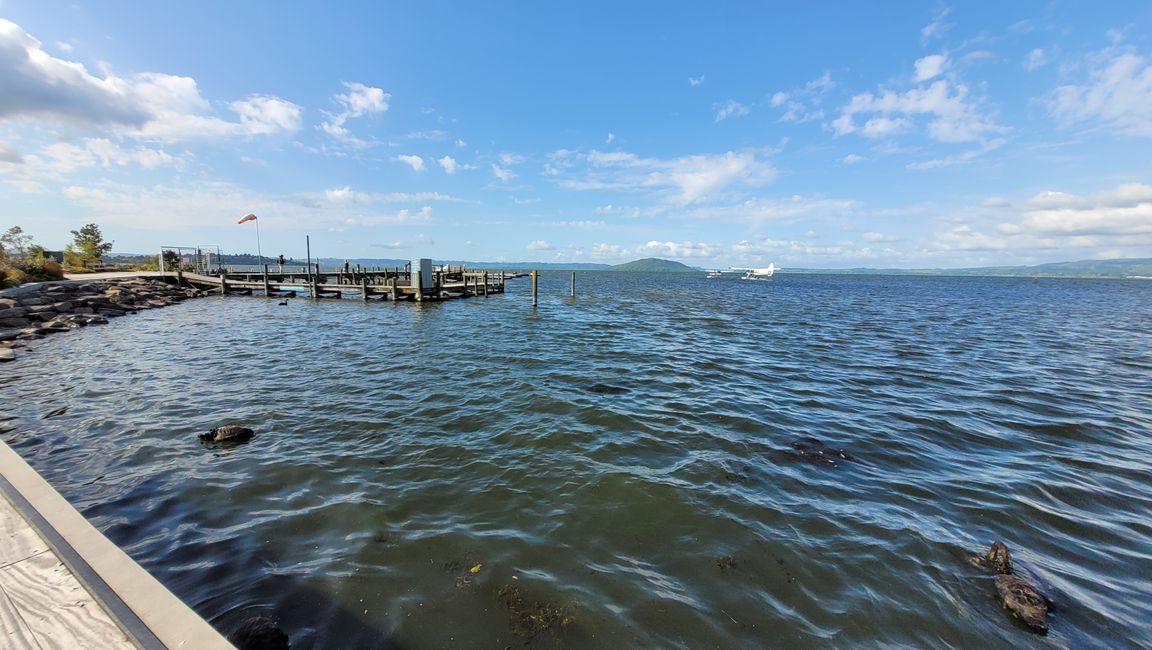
33	312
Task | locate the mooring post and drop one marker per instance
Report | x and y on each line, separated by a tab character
223	284
485	284
573	293
267	287
393	293
535	300
364	287
179	277
419	286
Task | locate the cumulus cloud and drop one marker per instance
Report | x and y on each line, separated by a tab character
38	86
92	152
695	81
852	159
803	104
682	181
360	100
1108	222
730	109
503	174
1117	93
347	195
448	163
929	67
951	114
413	161
539	245
1035	59
678	249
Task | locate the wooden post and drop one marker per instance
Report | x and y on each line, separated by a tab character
223	284
573	293
364	287
535	300
267	287
419	287
485	284
395	295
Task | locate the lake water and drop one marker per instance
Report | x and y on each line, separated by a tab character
414	461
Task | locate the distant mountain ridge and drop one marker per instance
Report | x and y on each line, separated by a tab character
654	265
1119	268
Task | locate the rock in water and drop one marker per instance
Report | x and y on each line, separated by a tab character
258	633
228	433
812	450
1024	601
605	389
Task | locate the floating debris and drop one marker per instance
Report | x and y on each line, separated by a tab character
726	563
530	621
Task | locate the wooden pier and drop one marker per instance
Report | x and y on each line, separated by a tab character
65	585
396	284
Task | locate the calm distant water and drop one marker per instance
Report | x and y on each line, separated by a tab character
400	446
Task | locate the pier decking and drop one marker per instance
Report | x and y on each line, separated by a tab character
64	585
378	284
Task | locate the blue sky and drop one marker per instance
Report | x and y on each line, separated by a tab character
809	134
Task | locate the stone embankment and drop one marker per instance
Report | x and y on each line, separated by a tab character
32	312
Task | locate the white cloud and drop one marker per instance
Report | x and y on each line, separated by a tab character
461	143
730	109
678	249
803	104
413	161
64	47
360	100
503	174
11	156
959	158
448	163
852	159
434	135
608	252
1119	219
951	115
1035	60
879	237
929	67
681	181
762	210
348	195
695	81
937	27
38	86
1118	93
510	159
610	138
539	245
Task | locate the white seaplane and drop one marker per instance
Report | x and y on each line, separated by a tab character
758	274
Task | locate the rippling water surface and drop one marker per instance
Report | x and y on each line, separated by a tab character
401	446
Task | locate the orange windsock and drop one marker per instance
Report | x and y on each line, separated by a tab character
247	217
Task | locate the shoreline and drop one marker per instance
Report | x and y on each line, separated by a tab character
31	312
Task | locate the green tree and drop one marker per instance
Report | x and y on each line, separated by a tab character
88	246
15	243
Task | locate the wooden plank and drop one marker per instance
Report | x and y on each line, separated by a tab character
18	540
16	632
59	612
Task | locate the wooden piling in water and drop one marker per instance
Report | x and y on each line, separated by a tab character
419	286
223	284
573	292
364	288
267	285
535	300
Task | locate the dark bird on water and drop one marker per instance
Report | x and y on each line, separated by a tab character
812	450
259	633
282	303
605	389
1017	593
228	433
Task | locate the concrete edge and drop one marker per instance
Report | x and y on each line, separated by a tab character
139	604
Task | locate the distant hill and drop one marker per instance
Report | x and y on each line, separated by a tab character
654	265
